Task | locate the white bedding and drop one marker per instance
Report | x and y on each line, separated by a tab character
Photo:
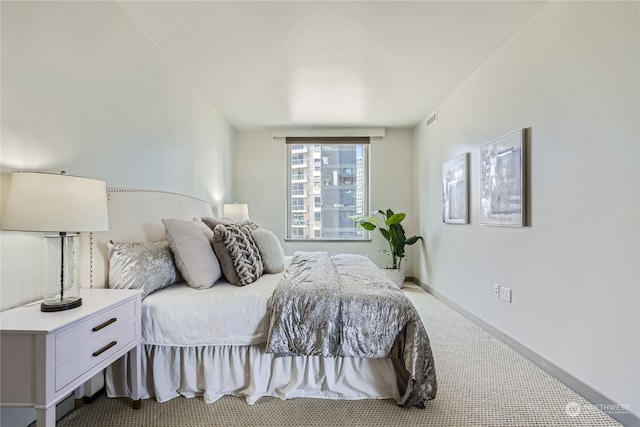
224	314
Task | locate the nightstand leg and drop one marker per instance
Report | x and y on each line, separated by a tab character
46	417
135	357
78	395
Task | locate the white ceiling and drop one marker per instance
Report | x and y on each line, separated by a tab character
363	63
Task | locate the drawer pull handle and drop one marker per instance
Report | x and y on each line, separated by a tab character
105	324
105	348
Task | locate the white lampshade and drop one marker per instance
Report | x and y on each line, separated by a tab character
237	211
51	202
63	204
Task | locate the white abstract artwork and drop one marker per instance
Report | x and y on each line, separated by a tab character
502	198
455	187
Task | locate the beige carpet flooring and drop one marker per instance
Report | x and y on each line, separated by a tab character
481	382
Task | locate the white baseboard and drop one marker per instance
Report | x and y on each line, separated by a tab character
618	411
26	417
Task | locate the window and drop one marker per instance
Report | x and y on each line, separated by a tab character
298	175
297	159
297	204
297	190
339	171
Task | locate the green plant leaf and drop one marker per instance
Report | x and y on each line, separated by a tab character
385	233
412	240
395	218
367	226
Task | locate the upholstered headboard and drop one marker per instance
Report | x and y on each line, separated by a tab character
135	216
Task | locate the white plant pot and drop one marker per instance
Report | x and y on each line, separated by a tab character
396	275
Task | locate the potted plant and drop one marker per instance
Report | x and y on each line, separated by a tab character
393	232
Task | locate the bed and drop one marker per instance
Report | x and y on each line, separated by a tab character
220	340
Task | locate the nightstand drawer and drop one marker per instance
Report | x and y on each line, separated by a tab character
68	341
90	353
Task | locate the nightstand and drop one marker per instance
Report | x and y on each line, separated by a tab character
46	356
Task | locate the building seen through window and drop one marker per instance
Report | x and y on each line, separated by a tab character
327	184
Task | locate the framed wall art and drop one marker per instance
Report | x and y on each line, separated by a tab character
455	190
502	180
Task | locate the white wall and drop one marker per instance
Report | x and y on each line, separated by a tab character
571	75
84	90
260	180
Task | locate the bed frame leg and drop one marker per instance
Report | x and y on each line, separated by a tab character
136	404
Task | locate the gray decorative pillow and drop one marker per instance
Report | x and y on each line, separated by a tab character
146	265
270	249
211	222
192	252
237	251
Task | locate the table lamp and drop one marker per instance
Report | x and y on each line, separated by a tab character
57	203
238	212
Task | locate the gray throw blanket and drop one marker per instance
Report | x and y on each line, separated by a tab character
343	305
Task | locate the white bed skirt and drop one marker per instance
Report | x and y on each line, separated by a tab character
215	371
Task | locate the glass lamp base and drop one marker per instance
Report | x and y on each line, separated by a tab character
65	304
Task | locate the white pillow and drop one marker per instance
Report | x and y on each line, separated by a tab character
270	250
192	252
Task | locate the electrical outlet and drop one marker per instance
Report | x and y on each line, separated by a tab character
505	294
496	290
